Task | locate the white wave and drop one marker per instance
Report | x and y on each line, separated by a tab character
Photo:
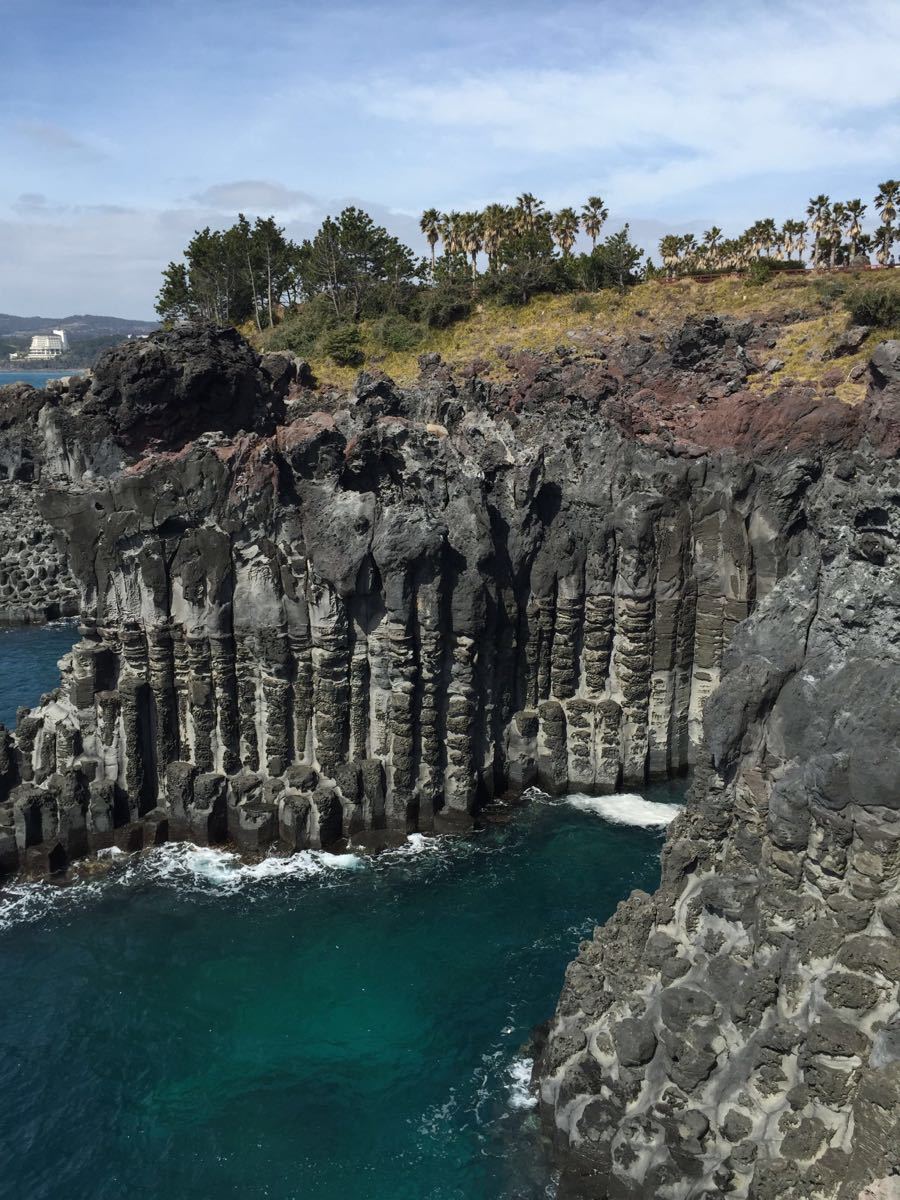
520	1092
179	865
436	1119
206	866
627	808
418	843
25	903
109	852
434	847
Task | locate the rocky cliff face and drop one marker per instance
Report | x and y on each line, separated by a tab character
738	1033
376	616
35	582
309	616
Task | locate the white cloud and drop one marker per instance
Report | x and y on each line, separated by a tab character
681	106
108	259
55	139
256	195
679	115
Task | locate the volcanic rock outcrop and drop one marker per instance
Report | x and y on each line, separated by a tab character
310	616
738	1033
35	582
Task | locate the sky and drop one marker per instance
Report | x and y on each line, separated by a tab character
126	126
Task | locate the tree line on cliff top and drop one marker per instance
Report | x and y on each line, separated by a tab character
353	269
834	230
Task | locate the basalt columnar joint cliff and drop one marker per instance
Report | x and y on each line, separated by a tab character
309	615
738	1033
35	582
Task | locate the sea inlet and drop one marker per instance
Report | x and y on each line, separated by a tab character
183	1024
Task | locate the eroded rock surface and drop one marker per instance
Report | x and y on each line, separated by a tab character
737	1033
35	582
309	616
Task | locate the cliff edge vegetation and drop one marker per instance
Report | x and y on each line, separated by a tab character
810	316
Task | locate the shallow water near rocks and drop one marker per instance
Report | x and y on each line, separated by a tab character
187	1025
28	658
37	379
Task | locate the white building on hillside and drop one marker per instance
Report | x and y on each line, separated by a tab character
48	345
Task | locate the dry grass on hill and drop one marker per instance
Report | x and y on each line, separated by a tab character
549	321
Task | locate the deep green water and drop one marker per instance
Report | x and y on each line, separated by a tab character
188	1028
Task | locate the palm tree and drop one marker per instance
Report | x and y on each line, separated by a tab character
819	214
887	200
528	210
793	239
496	222
855	210
593	214
836	231
444	233
564	228
883	241
729	254
470	237
450	232
430	224
754	236
689	248
768	232
670	251
711	241
746	248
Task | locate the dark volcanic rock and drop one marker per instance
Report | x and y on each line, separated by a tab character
171	386
600	570
794	840
849	341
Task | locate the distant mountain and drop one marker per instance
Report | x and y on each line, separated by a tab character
83	325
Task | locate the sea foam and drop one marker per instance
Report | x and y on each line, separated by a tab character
520	1092
26	903
184	864
179	865
627	808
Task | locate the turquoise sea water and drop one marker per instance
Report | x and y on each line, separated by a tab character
37	379
28	658
184	1026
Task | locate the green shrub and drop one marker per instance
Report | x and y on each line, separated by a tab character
297	336
343	346
396	332
583	304
523	278
614	263
652	271
759	272
446	303
302	330
830	290
876	304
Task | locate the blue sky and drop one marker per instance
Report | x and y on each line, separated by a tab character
127	126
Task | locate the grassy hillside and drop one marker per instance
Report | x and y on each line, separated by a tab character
583	318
